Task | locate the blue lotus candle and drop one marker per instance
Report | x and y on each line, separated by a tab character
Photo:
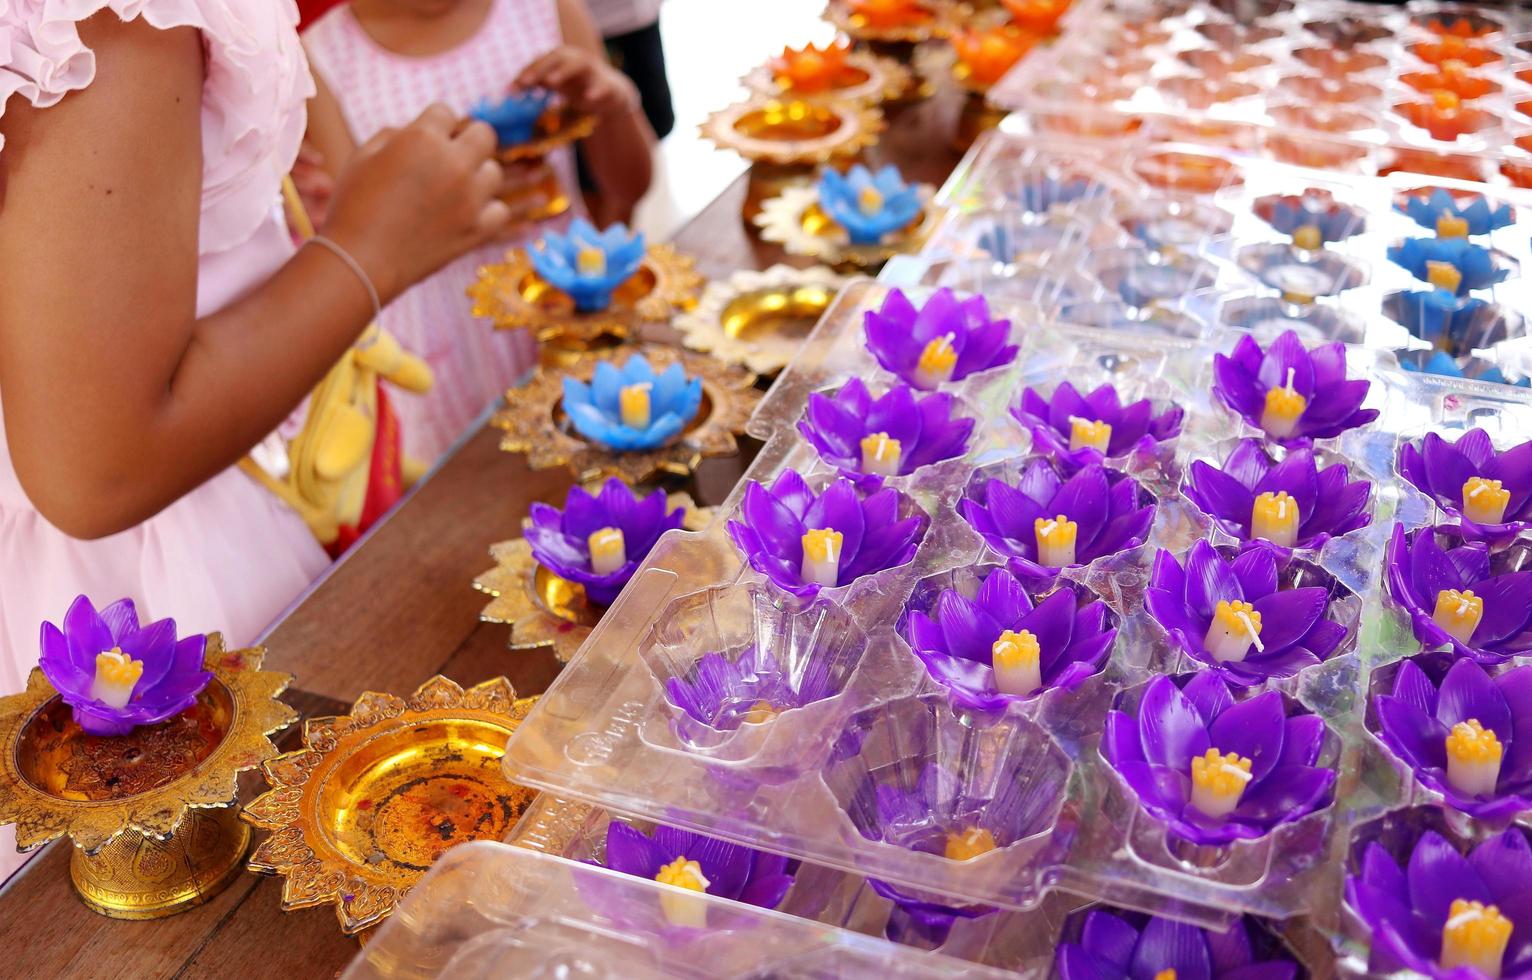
1045	523
1453	217
999	648
599	540
1286	505
1460	595
1234	617
894	434
1447	914
1311	218
632	408
1116	945
944	340
514	118
803	541
690	862
1079	429
1488	491
1438	316
1444	364
869	206
1468	738
588	264
1216	771
1040	192
1292	394
1453	264
117	675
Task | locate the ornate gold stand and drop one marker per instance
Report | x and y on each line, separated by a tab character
759	319
869	78
543	195
795	220
150	813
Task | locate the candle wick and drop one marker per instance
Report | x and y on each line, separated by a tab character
1255	634
1290	373
1048	528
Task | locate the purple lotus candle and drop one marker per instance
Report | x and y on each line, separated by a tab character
803	541
1460	596
1292	394
998	648
945	340
1291	504
1080	429
117	675
1488	491
1046	523
1233	615
1447	914
752	688
1130	946
1215	771
892	435
693	863
600	540
1468	738
917	920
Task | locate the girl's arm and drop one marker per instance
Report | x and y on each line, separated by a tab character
619	152
328	133
118	399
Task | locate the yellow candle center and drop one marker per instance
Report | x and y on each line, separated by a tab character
1474	755
821	557
608	551
1443	275
1165	975
937	362
1451	226
969	844
591	261
1475	935
1284	407
1017	662
1235	628
1218	781
1458	613
1485	501
683	910
116	675
1275	518
1056	541
1308	237
1089	434
760	713
881	455
869	201
634	402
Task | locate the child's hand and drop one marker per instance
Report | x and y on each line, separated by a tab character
585	80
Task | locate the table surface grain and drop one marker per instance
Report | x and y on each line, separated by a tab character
398	609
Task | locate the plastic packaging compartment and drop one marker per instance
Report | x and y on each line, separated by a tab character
490	910
606	733
1279	79
1360	295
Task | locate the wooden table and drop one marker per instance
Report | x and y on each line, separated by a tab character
397	610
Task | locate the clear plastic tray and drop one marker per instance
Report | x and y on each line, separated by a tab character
1226	71
606	733
1233	269
491	910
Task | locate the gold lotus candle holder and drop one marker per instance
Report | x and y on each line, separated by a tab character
786	140
834	73
540	193
797	221
536	423
359	814
514	297
892	22
151	813
542	608
759	319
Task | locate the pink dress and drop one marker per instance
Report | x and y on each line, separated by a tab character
378	88
228	556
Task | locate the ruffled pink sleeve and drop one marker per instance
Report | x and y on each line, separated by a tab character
253	112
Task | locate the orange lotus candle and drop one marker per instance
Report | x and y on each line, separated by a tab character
809	70
1445	117
1451	76
1037	16
988	55
1452	48
885	14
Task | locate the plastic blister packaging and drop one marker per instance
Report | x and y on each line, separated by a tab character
491	910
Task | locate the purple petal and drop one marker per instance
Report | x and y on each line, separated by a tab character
1229	949
1288	615
1074	963
1065	404
1003	598
121	618
1168	944
1516	686
1504	864
1255	729
775	525
1286	356
766	892
896	414
1507	604
1109	938
1248	463
1156	786
1303	741
1446	469
1286	794
1209	696
1238	388
1437	874
1256	570
1219	495
1467	692
1052	622
1013	511
1298	476
1171	730
1119	740
1417	738
631	852
1083	499
1476	446
1209	580
968	631
1412	686
86	634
